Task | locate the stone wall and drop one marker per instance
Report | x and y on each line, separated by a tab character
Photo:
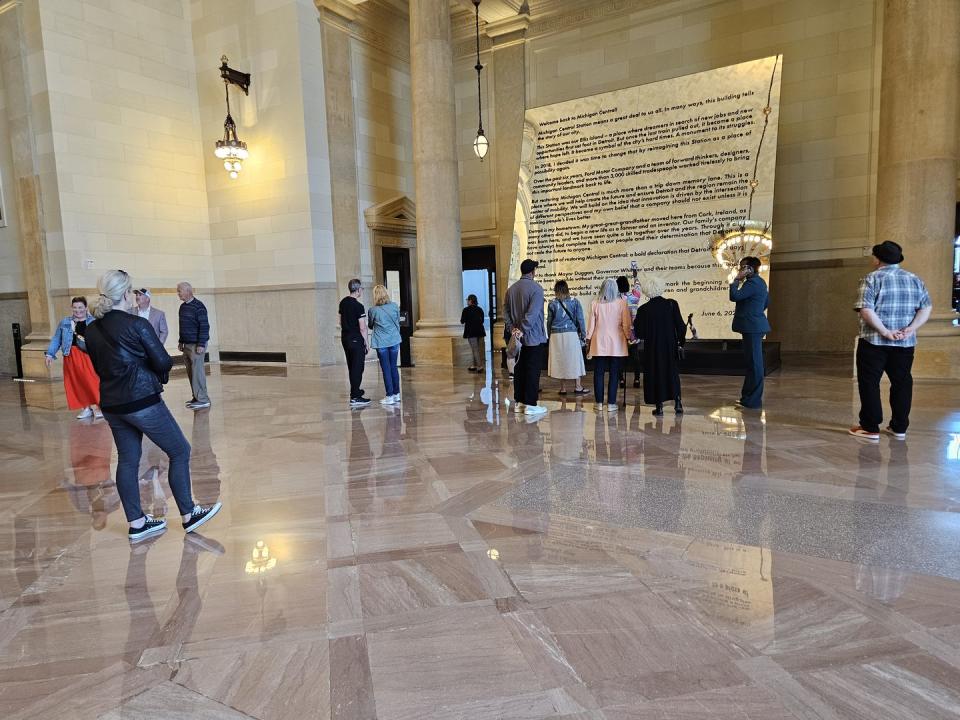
11	271
271	229
126	146
826	162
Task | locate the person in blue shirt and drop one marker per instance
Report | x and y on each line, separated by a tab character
384	322
749	292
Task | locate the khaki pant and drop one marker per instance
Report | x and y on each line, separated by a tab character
195	371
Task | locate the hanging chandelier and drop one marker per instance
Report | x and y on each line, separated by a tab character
480	144
748	237
232	150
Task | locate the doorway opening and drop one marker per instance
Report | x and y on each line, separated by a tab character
396	278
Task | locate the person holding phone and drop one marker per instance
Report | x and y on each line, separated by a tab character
749	292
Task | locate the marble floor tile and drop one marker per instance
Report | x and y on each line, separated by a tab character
388	588
422	671
280	680
169	700
450	560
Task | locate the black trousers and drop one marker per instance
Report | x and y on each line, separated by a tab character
356	353
872	362
751	395
526	374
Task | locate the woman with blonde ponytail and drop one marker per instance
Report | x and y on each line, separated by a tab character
133	368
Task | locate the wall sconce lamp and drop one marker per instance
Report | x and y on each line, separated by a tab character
232	150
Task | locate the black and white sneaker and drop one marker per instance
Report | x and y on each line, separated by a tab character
200	515
198	405
359	402
151	527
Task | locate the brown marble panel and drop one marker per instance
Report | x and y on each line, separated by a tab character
282	680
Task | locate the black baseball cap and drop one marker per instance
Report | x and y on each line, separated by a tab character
528	266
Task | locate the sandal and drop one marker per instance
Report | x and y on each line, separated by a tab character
581	391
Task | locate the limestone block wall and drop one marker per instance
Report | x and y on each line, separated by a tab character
477	188
13	303
271	229
124	147
381	84
11	271
125	134
826	162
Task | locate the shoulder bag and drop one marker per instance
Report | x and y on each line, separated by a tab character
580	333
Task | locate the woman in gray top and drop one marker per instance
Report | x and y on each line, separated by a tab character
384	322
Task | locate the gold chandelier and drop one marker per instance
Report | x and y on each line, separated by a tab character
747	238
232	150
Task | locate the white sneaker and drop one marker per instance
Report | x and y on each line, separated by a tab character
518	407
396	399
85	413
599	407
98	413
534	410
388	400
611	408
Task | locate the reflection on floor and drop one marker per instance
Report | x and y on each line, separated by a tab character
449	559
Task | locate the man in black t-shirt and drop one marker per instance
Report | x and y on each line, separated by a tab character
353	337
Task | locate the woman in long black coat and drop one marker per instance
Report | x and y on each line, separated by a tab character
661	327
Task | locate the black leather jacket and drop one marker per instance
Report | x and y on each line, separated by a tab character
128	357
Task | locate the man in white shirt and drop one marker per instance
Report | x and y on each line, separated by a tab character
156	317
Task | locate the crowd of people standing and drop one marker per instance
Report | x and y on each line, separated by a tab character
892	305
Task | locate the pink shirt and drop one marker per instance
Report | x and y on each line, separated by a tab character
609	328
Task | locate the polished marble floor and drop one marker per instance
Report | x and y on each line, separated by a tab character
451	560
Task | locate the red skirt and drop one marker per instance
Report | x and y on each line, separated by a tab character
80	380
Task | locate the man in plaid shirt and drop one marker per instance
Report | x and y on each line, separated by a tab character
892	304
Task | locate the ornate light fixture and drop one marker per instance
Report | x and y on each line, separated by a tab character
747	238
232	150
480	144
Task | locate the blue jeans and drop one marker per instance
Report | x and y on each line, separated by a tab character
601	365
158	424
388	365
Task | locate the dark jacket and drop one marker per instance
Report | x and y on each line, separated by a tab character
660	325
472	320
128	357
194	323
752	299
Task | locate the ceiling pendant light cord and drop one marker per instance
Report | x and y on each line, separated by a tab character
478	67
763	132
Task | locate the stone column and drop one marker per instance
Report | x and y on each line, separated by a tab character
336	16
28	116
917	163
437	339
510	103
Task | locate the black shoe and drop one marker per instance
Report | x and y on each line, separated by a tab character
678	407
658	410
151	527
471	369
200	515
636	382
359	402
